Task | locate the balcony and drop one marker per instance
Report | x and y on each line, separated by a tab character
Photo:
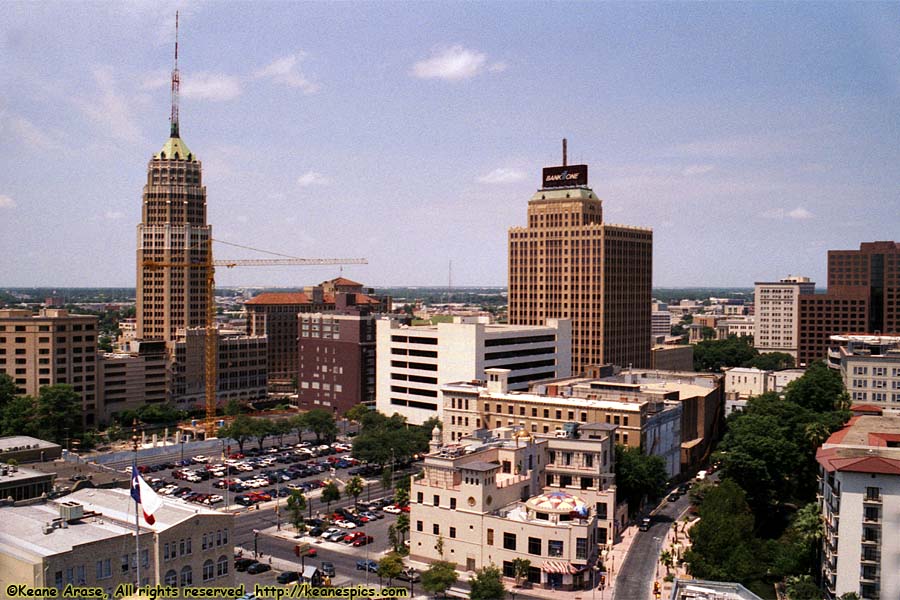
872	500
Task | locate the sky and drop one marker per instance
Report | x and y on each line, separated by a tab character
751	137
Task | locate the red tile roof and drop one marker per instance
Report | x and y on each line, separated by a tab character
288	298
866	408
831	460
344	281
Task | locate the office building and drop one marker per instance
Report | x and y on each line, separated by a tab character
859	495
412	363
21	483
777	314
701	589
241	368
133	379
87	539
336	367
870	368
50	348
274	315
672	357
26	449
566	263
641	420
173	233
660	323
506	495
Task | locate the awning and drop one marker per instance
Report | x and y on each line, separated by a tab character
558	566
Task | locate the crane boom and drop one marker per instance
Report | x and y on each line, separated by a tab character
211	354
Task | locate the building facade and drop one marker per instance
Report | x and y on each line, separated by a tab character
336	367
859	495
870	368
566	263
412	363
133	379
777	314
87	539
507	495
50	348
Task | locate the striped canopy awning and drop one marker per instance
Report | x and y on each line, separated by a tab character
558	566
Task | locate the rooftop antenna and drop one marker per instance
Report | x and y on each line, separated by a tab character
176	81
565	141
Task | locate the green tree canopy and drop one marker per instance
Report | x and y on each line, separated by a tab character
57	413
638	475
296	506
821	389
240	430
354	487
439	577
390	567
713	355
7	389
330	493
487	584
321	422
772	361
17	416
383	440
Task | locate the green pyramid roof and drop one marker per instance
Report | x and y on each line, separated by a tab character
175	148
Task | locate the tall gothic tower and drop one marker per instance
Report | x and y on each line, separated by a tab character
567	263
173	231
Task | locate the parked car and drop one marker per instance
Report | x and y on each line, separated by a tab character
409	574
392	509
328	568
367	565
645	524
362	541
287	577
242	564
256	569
345	524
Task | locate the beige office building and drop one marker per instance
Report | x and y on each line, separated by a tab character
568	264
777	314
87	539
50	348
506	495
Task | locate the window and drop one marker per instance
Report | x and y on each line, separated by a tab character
171	578
208	570
436	529
436	500
588	460
222	566
554	548
420	498
873	493
490	537
187	576
124	563
452	503
453	532
104	569
419	526
534	545
509	541
581	549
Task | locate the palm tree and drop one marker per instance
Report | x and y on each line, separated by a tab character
520	568
668	560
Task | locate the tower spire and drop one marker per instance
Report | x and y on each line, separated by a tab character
565	141
176	81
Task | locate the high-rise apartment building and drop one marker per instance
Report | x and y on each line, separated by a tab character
870	368
51	348
173	231
777	306
566	263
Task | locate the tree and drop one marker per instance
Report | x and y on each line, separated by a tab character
240	430
390	567
713	355
439	546
638	476
358	413
438	578
487	584
296	506
401	496
17	416
387	478
354	488
321	423
7	389
298	424
667	559
232	408
394	537
402	526
262	428
707	333
521	566
821	389
773	361
57	413
330	493
801	587
281	427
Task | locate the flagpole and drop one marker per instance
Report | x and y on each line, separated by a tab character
137	514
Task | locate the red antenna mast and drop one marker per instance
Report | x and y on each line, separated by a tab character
176	82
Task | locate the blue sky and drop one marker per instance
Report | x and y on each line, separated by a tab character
752	137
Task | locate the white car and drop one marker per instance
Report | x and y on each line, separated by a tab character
329	532
346	524
214	499
244	467
392	509
200	458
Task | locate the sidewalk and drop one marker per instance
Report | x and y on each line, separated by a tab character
676	543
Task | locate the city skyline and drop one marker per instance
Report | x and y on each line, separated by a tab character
750	138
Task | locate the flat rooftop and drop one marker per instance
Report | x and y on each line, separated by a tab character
867	444
23	442
118	505
696	589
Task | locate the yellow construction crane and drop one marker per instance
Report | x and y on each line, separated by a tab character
211	342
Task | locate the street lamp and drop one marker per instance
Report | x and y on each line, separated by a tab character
256	543
183	437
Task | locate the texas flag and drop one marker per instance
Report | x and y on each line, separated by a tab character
144	495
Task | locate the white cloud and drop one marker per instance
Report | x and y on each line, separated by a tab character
217	87
155	80
285	71
761	145
697	170
454	63
798	214
502	175
32	136
113	215
112	110
7	202
312	178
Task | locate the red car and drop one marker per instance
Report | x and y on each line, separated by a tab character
405	508
351	538
363	540
236	456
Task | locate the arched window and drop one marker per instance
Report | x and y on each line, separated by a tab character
222	566
171	578
187	576
162	155
208	570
